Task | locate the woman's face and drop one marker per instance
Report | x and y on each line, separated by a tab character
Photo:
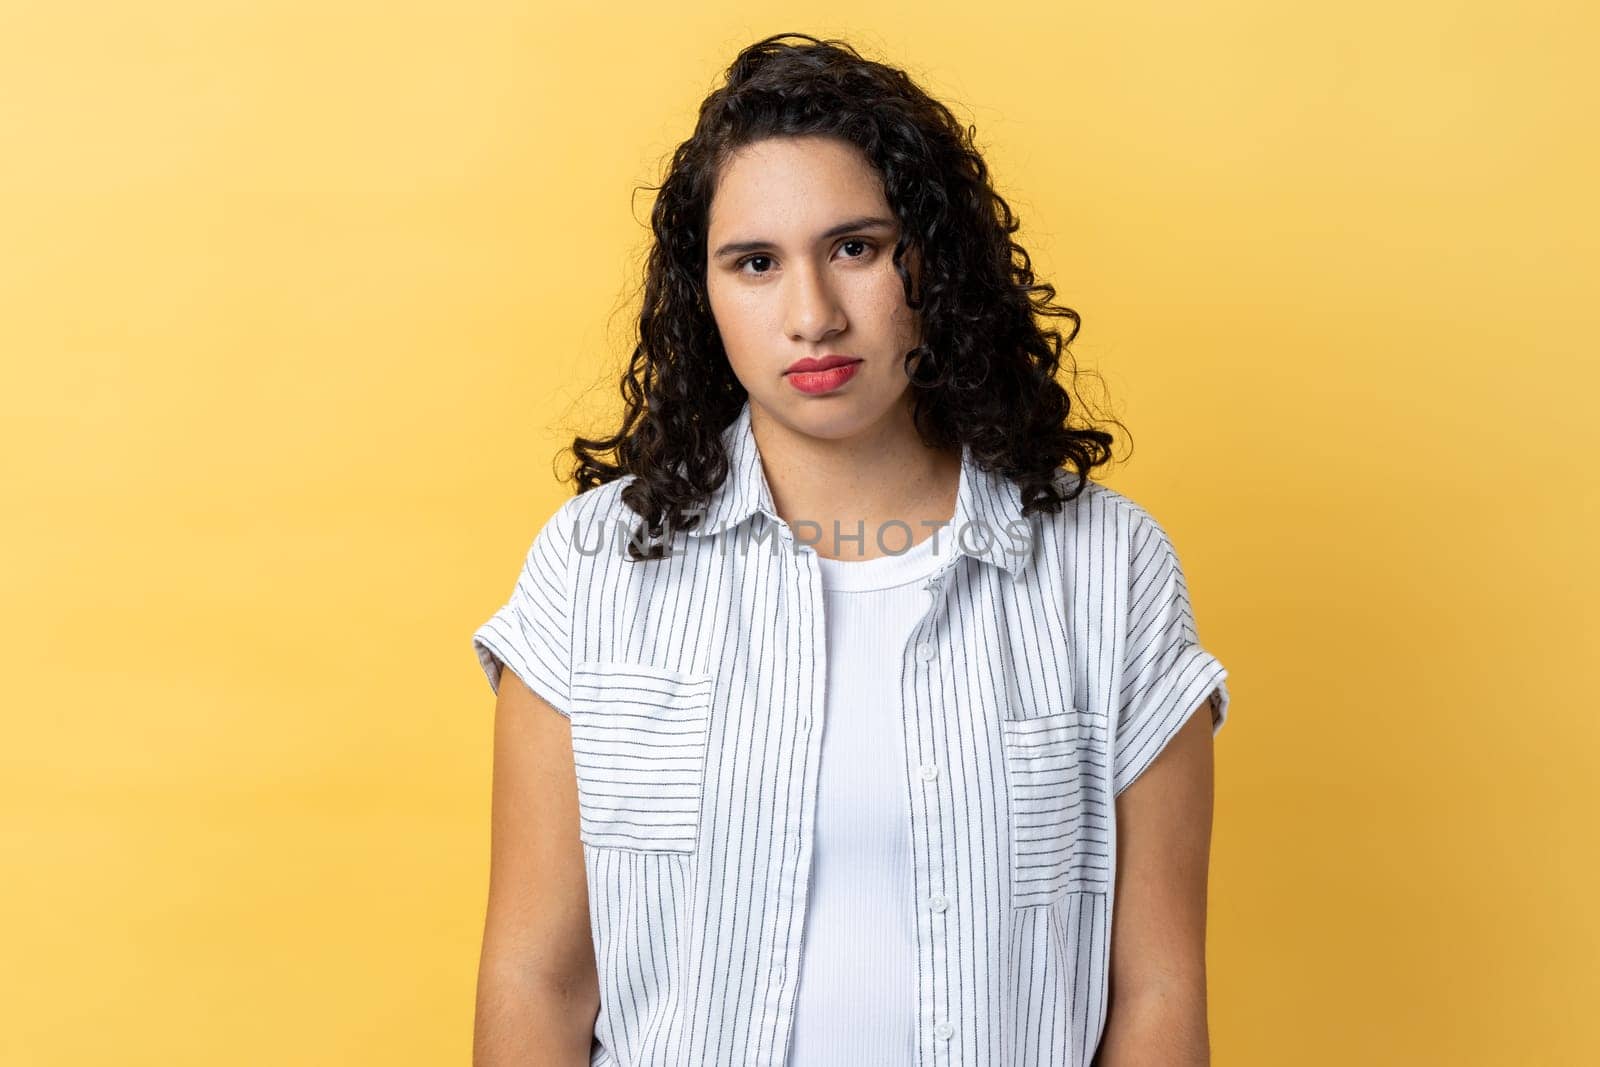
799	266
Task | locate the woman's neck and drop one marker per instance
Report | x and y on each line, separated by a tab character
843	495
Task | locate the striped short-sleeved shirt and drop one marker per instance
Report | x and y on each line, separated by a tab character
1057	656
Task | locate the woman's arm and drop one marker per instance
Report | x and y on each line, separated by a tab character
538	993
1157	1013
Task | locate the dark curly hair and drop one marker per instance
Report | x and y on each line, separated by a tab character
987	376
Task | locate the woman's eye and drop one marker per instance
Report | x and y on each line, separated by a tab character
865	247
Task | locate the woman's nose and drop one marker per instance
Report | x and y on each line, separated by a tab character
813	310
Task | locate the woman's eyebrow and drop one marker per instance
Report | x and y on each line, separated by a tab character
864	222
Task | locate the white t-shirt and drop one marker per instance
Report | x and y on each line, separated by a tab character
857	1000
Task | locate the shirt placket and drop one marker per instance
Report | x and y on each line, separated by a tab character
937	1014
805	601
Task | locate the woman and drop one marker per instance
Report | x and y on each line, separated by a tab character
858	680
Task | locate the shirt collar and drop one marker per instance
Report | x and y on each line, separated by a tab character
988	523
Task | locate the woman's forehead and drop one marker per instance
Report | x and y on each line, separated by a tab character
802	184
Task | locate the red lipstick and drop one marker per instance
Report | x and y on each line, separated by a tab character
823	375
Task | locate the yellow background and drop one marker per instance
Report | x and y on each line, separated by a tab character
298	301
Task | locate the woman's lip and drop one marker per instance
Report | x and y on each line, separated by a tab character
825	363
822	381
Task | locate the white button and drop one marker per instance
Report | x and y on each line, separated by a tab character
939	903
943	1031
924	651
928	771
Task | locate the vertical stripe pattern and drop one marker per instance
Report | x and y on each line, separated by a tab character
1058	657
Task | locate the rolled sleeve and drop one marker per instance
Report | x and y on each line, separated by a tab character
531	633
1167	675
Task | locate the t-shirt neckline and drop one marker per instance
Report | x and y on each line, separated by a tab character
886	571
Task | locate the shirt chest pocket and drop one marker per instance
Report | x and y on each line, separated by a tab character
1060	818
639	749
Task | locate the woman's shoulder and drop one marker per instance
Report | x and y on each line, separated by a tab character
601	502
597	506
1094	501
1099	511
